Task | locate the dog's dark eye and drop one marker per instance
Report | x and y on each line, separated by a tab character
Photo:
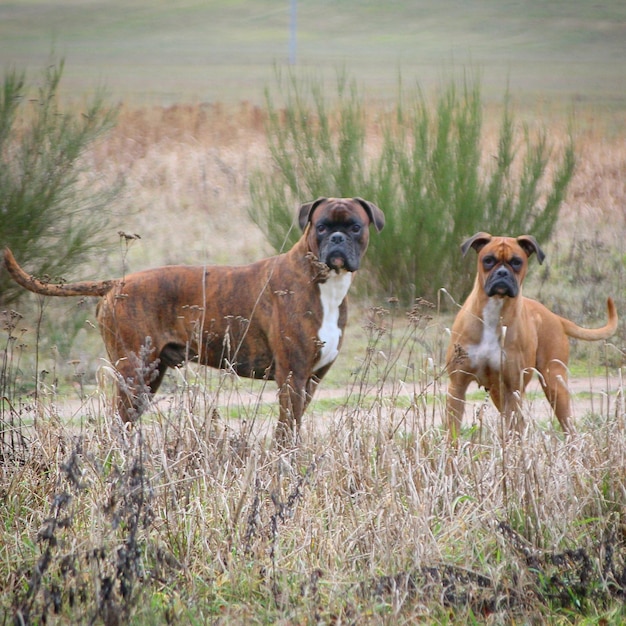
516	263
321	229
355	229
489	262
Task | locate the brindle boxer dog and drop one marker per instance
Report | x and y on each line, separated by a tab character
499	337
280	318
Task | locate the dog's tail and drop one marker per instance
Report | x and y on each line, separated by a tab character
593	334
86	288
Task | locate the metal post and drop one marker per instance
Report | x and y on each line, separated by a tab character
293	32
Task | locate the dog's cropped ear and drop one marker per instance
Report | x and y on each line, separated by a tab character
477	241
377	217
306	211
529	245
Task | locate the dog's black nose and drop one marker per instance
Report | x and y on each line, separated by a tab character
337	238
501	272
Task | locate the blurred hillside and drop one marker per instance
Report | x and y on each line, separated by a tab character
158	52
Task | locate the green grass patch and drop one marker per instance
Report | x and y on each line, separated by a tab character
224	51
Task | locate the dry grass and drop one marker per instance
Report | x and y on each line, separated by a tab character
193	517
186	170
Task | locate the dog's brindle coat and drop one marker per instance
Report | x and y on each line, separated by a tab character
280	318
500	338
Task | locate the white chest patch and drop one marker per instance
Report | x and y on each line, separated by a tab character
332	294
488	353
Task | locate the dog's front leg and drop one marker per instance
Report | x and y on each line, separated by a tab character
292	402
455	403
511	410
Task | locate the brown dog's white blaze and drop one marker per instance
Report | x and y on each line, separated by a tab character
332	293
280	318
500	338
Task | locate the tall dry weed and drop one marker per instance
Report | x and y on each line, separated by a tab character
193	515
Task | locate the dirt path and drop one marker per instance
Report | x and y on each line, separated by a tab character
599	395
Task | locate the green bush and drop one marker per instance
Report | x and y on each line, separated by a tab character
51	217
429	175
315	152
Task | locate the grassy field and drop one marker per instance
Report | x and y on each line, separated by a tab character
192	516
163	52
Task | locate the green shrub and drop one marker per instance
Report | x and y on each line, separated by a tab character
51	216
429	175
315	152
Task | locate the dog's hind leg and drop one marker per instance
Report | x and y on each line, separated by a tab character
139	377
554	383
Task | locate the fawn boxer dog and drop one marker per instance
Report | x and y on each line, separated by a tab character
280	318
500	338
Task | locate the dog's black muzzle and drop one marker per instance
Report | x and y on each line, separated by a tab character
339	252
502	282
